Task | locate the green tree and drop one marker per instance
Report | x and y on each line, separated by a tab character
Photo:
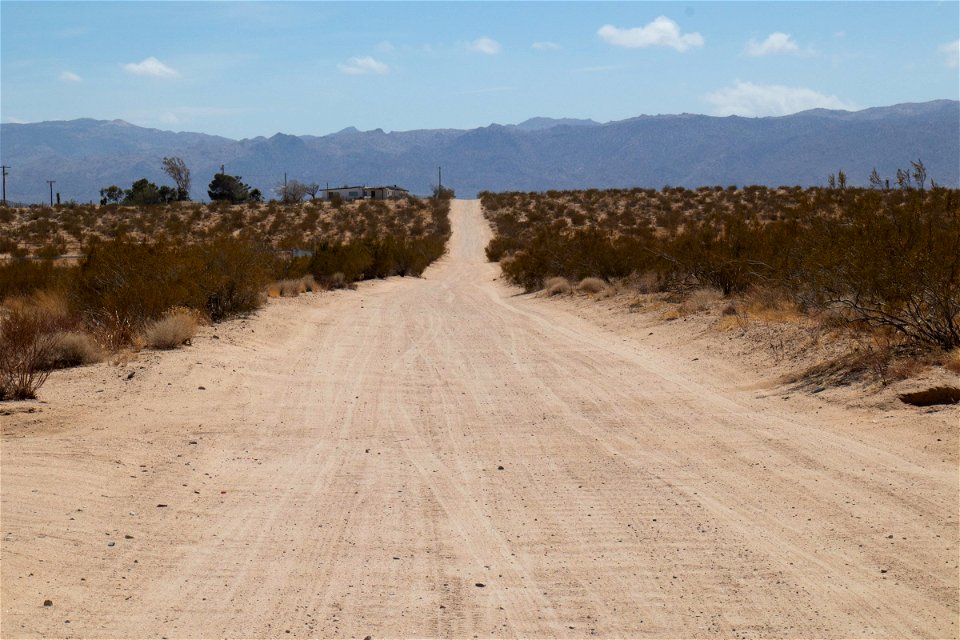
229	188
111	195
142	192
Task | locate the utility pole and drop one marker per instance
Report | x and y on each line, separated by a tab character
439	179
5	167
284	180
51	183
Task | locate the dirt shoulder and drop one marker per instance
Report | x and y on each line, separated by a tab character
443	457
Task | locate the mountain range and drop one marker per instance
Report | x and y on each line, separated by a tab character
689	150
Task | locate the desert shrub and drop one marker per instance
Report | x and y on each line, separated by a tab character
557	286
888	258
26	341
699	300
235	271
173	330
592	285
72	349
20	276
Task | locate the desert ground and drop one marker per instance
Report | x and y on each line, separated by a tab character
442	456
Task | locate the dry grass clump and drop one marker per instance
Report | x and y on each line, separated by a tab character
292	287
72	349
592	285
173	330
699	300
557	286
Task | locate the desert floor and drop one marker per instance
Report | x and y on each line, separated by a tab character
444	457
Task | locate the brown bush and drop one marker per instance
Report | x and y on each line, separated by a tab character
592	285
557	286
173	330
26	341
72	349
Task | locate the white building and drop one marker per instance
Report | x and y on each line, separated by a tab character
365	193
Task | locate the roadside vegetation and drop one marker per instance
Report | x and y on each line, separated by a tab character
81	281
880	263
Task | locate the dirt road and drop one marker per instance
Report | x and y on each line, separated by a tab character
442	457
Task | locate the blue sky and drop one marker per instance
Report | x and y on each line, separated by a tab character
249	69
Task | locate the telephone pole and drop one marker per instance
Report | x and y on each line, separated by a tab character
439	179
5	167
51	183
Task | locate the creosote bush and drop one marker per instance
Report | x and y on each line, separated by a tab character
886	258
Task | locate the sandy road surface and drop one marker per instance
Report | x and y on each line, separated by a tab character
357	463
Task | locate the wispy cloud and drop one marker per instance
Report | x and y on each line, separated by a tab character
363	65
487	46
70	76
385	46
545	46
749	99
662	32
776	43
150	67
952	51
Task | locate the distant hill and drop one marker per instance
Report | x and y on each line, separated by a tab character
539	154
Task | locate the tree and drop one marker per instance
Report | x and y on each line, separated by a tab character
313	189
841	180
293	192
177	169
875	181
229	188
142	192
111	195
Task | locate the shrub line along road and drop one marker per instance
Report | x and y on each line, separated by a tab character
360	463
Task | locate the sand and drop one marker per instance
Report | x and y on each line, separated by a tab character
445	457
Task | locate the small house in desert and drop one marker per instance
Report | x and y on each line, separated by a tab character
365	193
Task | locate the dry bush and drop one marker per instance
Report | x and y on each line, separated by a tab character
72	349
173	330
291	288
273	290
26	341
592	285
557	286
699	300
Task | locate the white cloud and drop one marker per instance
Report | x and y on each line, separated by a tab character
776	43
363	65
484	45
70	76
749	99
385	47
150	67
952	51
662	32
545	46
